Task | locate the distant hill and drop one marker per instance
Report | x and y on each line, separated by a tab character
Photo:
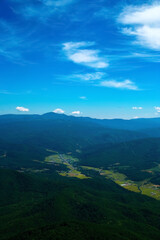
132	124
29	134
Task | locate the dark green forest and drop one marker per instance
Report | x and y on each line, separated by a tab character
68	196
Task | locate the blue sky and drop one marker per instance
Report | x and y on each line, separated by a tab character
92	58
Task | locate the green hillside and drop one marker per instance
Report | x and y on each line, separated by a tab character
62	208
131	157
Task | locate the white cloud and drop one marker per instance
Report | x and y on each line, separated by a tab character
126	84
84	56
137	108
89	76
144	24
136	117
157	109
76	112
79	53
22	109
58	110
147	15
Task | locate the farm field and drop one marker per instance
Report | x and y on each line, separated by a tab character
143	187
70	163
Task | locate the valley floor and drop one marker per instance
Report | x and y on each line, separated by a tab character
73	169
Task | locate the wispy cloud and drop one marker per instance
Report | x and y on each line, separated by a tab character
126	84
146	56
157	109
142	23
40	10
5	92
137	108
10	43
83	97
81	53
89	76
16	41
58	110
99	79
22	109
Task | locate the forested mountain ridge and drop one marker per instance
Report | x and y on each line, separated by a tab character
50	130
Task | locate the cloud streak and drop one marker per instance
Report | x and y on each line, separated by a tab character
89	76
137	108
40	10
11	42
16	42
126	84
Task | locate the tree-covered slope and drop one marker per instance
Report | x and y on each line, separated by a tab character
37	208
130	158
